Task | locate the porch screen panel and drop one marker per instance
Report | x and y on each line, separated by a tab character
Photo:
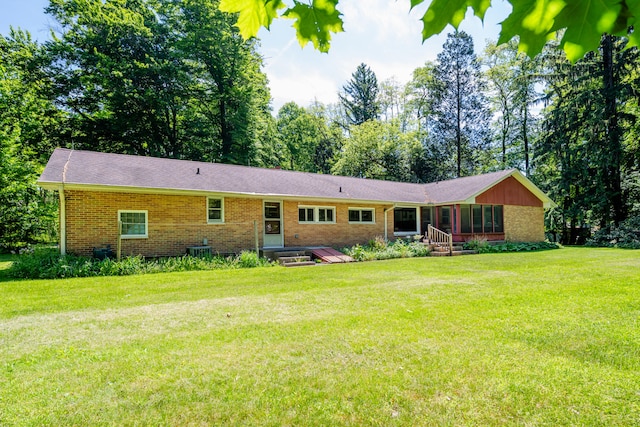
476	211
465	219
444	220
498	224
488	219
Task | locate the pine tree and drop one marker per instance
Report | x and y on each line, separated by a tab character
360	97
460	113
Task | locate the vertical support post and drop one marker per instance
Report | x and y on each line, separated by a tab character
255	233
119	245
386	222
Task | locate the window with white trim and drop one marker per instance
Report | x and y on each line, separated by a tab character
316	214
133	224
362	215
215	210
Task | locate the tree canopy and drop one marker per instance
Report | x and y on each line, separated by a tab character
534	21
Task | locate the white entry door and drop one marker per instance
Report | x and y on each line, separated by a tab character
273	233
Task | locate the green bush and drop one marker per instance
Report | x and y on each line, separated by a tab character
626	235
378	249
248	259
49	264
476	244
517	247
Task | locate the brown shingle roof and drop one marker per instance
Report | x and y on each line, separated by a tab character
87	168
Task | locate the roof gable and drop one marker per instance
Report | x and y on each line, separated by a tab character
509	192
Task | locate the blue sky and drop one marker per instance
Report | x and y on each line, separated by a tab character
381	33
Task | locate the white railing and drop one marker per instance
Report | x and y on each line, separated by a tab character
439	237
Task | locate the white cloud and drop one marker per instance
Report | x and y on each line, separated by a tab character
380	33
302	87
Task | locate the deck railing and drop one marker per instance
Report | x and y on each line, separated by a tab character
439	237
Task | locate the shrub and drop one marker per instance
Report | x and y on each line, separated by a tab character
49	264
248	259
626	235
518	247
378	249
476	244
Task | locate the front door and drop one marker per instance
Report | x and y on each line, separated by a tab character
273	233
425	217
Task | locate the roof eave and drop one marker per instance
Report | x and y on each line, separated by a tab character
55	186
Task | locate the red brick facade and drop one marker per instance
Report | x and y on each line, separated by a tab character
176	222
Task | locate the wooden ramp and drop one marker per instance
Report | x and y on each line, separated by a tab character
331	256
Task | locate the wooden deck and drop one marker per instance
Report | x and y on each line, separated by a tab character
331	256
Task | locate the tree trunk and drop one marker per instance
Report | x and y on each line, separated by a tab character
612	161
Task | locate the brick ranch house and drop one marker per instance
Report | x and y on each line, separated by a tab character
161	207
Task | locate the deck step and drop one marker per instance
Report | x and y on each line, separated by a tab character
286	254
291	259
454	253
299	263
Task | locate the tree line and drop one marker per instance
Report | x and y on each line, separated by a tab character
176	79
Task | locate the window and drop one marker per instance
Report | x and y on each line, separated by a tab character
488	219
133	224
498	225
215	210
316	214
476	212
444	218
485	219
305	214
364	215
405	220
465	219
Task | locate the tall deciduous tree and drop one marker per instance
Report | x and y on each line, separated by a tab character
309	144
460	113
512	77
421	92
360	96
232	91
584	132
392	99
26	116
378	150
158	78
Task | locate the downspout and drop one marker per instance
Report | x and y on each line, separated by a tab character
63	208
386	223
63	221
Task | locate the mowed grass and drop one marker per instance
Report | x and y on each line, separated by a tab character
548	338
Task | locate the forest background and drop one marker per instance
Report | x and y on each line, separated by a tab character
176	79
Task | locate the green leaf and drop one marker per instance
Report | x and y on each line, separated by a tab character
532	21
315	23
443	12
253	14
585	22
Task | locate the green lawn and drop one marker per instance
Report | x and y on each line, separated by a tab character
528	339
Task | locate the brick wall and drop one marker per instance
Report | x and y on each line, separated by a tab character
524	223
339	234
176	222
